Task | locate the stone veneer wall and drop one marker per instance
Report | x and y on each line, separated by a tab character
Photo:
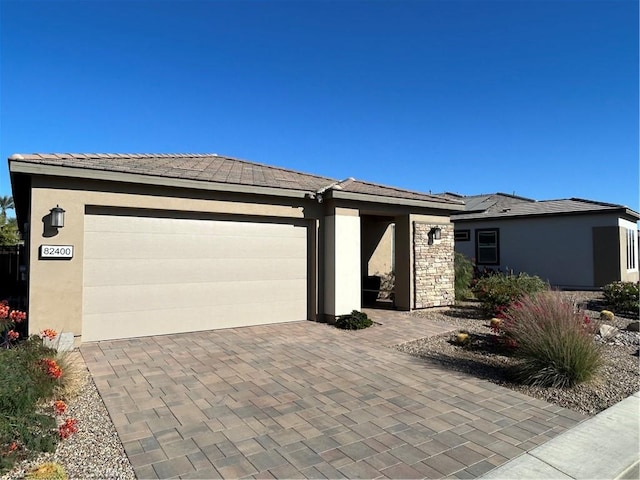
433	266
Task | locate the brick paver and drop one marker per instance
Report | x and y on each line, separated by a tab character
306	400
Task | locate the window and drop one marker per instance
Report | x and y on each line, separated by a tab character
462	235
487	247
631	250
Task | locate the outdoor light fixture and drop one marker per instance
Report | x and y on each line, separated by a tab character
57	217
434	234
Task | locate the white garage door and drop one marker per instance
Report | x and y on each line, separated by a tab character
151	276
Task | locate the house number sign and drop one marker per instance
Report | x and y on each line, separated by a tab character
56	251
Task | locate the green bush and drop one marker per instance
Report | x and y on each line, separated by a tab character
354	321
497	292
553	339
463	276
24	384
623	297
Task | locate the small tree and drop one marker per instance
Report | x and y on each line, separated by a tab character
9	234
463	276
6	203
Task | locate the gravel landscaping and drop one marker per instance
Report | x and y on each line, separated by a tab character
618	378
95	451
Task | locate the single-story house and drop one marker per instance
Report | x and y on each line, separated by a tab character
571	243
128	245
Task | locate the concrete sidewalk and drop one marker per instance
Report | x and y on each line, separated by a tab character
605	446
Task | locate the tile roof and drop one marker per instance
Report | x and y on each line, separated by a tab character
501	205
366	188
219	169
200	167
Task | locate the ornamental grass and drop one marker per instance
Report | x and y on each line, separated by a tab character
554	341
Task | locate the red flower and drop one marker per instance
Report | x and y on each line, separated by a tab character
17	316
49	333
12	335
59	407
4	309
52	368
13	447
68	427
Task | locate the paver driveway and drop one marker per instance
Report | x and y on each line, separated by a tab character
307	400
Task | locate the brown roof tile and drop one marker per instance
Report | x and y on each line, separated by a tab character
220	169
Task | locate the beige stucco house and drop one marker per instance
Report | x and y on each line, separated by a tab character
161	244
571	243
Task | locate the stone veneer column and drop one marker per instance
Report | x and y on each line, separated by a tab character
433	266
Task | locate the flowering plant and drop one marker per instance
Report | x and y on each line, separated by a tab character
49	333
9	318
69	427
59	407
51	368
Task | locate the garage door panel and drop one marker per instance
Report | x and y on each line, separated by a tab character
142	298
175	226
137	271
128	324
131	246
164	275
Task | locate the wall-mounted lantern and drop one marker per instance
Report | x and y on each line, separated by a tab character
434	234
57	217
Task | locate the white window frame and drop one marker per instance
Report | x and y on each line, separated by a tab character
632	249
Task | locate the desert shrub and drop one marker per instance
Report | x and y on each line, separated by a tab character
497	292
354	321
623	297
463	275
47	471
24	383
73	377
553	339
31	375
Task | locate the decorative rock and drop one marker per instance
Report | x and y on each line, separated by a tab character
63	342
606	315
462	338
634	327
607	331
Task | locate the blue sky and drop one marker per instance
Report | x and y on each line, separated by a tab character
534	97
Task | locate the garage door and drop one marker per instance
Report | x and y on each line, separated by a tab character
150	276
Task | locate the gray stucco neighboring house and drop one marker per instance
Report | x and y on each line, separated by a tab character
160	244
573	243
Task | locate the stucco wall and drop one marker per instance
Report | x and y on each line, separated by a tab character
381	261
55	286
342	287
558	249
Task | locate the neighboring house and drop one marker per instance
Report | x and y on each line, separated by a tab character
160	244
571	243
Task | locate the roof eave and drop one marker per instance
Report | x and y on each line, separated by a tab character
408	202
474	217
16	166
